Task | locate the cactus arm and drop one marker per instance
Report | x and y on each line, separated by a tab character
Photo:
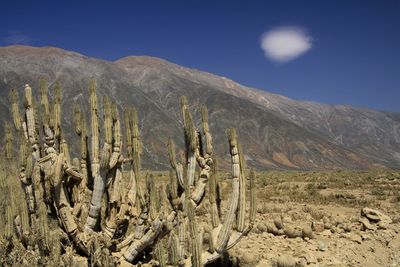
182	222
25	171
138	246
242	194
203	158
172	159
108	133
190	141
117	139
64	149
9	141
98	177
173	256
57	111
252	201
215	221
209	231
159	251
128	131
15	109
193	234
44	99
132	193
113	190
224	234
60	196
136	151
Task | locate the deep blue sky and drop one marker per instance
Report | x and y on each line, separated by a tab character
354	59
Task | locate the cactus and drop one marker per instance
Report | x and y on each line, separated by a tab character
126	218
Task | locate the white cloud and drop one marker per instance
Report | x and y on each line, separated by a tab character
283	44
17	38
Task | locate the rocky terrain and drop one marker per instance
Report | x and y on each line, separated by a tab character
277	132
328	224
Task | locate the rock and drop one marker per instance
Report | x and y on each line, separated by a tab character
292	232
271	228
328	225
261	227
346	227
307	232
285	261
365	237
322	246
366	225
383	225
281	232
278	223
318	227
375	216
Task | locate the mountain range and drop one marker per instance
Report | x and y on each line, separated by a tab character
276	132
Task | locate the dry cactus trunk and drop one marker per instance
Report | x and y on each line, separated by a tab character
138	215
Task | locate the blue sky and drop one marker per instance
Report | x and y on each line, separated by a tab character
349	50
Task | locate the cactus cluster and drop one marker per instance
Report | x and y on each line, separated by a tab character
109	212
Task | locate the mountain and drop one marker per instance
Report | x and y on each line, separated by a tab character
275	131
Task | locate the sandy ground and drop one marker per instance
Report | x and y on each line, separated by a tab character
339	236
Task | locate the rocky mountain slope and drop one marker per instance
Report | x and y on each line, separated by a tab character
276	132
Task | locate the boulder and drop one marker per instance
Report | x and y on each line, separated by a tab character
375	216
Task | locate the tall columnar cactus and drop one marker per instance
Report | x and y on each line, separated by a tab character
139	214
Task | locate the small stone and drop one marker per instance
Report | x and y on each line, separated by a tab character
322	246
262	227
318	227
328	225
346	227
278	223
281	232
365	237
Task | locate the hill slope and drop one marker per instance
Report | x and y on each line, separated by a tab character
276	132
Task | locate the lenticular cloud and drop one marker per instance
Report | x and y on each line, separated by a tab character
283	44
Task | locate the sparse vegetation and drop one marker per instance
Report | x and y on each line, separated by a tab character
88	211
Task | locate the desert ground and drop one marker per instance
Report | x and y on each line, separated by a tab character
335	218
330	203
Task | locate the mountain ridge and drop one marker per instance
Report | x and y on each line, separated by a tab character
282	133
